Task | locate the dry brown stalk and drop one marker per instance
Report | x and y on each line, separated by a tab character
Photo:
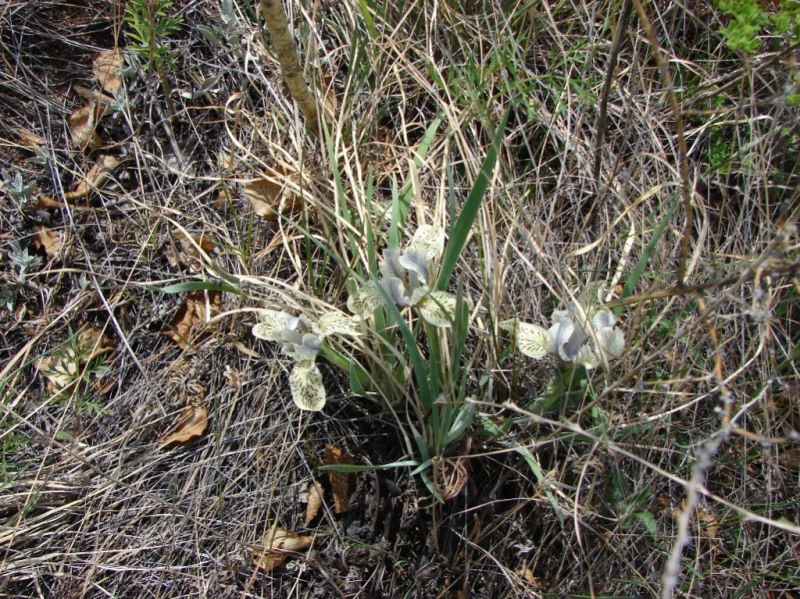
274	15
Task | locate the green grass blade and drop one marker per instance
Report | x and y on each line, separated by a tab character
641	264
460	230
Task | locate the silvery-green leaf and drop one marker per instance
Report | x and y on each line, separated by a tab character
564	340
271	324
437	308
336	323
416	262
531	340
396	289
305	381
611	341
365	301
587	357
390	266
428	240
603	319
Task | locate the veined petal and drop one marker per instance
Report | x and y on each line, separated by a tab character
336	323
437	308
366	300
427	240
531	340
587	357
509	325
305	382
271	324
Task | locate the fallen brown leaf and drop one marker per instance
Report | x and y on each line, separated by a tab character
343	484
192	424
48	240
94	178
107	68
791	458
194	311
82	125
277	540
44	202
314	504
29	139
190	254
269	199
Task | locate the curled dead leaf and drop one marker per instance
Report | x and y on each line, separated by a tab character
44	202
94	178
82	125
269	199
343	484
192	424
276	542
50	241
107	69
29	139
194	311
314	504
190	250
791	458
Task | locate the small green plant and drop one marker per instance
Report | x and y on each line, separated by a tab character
24	262
747	19
16	188
150	24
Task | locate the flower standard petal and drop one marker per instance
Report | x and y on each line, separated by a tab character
305	381
427	240
603	319
564	340
416	262
611	341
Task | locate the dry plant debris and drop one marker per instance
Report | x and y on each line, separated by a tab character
314	503
196	309
83	124
191	425
97	175
51	242
343	484
268	199
107	70
190	247
279	545
62	371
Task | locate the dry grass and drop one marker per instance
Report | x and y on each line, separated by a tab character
694	433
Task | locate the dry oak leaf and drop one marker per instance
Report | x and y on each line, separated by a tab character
314	504
94	178
107	68
277	540
195	310
82	125
265	198
62	370
343	484
48	240
192	423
